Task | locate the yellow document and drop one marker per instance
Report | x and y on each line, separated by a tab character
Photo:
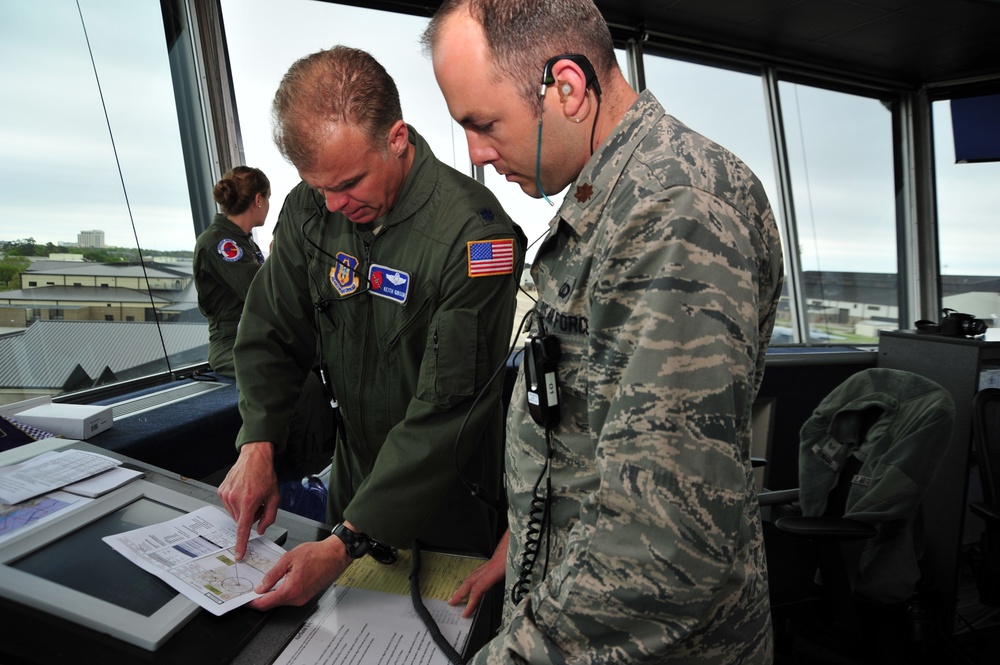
440	574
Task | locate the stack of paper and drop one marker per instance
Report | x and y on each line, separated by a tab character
50	471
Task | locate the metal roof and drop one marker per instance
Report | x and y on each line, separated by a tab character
66	295
110	269
60	355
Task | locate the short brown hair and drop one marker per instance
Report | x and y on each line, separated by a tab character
523	34
332	86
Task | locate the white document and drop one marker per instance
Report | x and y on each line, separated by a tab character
361	627
103	483
194	554
49	471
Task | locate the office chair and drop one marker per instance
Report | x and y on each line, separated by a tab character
986	436
866	455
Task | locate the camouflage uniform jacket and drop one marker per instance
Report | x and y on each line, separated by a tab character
226	259
411	323
660	277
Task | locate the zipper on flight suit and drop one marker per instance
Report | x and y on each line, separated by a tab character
370	306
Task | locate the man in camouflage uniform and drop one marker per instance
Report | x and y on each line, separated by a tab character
659	277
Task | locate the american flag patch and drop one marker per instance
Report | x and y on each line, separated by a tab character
491	257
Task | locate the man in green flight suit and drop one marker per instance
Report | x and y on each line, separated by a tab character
406	273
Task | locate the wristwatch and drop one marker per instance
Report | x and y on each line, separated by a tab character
357	544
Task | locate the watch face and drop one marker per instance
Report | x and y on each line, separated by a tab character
361	546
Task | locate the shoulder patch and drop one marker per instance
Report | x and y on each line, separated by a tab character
491	257
344	276
229	250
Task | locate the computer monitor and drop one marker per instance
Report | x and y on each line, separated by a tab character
64	568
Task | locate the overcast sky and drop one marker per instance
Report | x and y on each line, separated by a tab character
59	174
58	171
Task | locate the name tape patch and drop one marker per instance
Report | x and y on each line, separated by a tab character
389	283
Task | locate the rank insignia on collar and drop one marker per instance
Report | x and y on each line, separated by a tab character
584	192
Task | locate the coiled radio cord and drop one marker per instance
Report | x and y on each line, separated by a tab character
538	524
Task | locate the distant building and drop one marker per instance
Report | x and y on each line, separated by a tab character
90	239
75	291
75	325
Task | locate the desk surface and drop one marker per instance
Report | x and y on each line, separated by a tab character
249	636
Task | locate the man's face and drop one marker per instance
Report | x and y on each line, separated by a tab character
357	179
501	128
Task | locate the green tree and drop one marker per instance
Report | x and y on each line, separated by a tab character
11	268
22	247
101	256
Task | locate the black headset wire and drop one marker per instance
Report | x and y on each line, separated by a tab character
539	515
493	502
538	524
418	605
496	503
319	212
323	306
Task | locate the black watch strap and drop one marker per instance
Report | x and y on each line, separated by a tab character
357	544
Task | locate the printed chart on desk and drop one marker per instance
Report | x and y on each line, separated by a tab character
195	554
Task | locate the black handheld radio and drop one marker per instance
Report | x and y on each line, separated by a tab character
541	356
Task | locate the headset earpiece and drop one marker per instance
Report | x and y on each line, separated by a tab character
566	89
590	77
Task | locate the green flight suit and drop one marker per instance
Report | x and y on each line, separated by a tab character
409	339
226	259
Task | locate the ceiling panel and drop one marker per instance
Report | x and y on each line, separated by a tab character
906	42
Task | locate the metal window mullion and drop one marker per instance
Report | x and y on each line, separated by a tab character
787	222
926	266
908	279
636	68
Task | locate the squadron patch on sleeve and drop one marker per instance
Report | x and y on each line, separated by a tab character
491	257
229	250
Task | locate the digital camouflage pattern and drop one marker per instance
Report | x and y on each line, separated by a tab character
660	276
